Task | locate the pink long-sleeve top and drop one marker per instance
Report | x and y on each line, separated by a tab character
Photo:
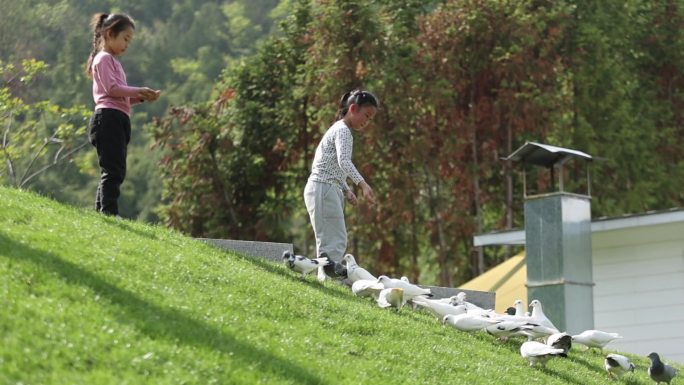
110	89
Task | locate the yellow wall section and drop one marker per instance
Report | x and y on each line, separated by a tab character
508	280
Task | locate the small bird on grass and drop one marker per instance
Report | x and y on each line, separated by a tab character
468	322
304	265
354	271
560	341
537	352
617	365
410	290
437	308
333	269
539	317
391	297
659	371
367	288
505	329
595	338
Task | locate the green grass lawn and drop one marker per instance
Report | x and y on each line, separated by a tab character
87	299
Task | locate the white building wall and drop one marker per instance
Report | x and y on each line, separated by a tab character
639	292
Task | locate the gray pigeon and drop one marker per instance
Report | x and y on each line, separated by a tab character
660	372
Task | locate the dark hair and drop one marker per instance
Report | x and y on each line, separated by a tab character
100	23
358	97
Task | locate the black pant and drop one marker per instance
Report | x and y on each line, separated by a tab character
110	131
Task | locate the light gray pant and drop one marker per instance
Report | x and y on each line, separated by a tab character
325	203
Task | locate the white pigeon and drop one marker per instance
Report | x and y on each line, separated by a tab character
595	338
520	309
467	322
367	288
438	308
537	352
303	264
518	316
660	371
539	317
616	365
410	290
460	299
534	330
560	341
450	300
354	271
505	329
393	297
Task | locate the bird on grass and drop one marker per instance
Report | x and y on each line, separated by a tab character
595	338
391	297
460	299
333	270
410	290
659	371
304	265
367	288
354	271
539	317
617	365
468	322
437	308
560	341
537	352
505	329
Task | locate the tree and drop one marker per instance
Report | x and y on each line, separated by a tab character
36	135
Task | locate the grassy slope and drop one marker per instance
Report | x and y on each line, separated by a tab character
86	299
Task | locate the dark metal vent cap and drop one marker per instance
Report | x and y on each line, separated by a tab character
544	155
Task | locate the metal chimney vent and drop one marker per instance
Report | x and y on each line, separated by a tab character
550	157
558	241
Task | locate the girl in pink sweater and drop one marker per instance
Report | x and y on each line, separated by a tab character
109	129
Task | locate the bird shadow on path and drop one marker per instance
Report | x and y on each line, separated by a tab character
155	321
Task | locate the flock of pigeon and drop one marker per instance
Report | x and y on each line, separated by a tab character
456	312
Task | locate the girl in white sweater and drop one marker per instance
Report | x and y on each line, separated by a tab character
327	186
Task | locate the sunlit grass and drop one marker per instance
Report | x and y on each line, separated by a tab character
86	299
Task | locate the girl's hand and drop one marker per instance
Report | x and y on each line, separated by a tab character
148	94
351	197
367	192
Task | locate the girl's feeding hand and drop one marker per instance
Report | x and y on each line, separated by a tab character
148	94
367	192
351	197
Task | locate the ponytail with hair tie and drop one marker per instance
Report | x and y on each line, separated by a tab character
100	23
357	97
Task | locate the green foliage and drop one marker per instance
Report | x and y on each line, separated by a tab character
35	135
222	170
88	299
180	48
462	84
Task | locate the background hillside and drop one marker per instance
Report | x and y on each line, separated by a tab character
180	48
87	299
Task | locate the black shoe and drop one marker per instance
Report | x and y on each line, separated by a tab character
335	270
